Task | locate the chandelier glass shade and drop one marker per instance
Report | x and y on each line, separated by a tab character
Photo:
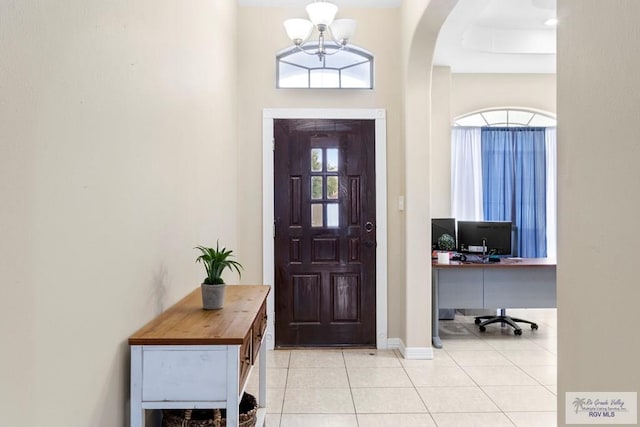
322	18
322	12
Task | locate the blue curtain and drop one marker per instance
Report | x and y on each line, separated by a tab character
514	184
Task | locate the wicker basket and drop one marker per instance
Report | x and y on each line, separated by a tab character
211	417
248	412
190	418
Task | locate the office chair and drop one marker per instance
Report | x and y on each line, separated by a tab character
483	321
503	319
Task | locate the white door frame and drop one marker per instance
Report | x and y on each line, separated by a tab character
268	251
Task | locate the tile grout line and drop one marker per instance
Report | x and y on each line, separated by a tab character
353	401
502	411
517	365
538	348
479	386
284	394
404	368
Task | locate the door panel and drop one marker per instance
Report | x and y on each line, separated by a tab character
325	232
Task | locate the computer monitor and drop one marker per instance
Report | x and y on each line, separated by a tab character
486	237
439	228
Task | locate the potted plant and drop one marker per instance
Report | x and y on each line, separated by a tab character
215	261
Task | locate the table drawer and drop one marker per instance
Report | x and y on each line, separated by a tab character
245	358
183	374
259	326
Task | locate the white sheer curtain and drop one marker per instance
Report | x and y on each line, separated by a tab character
551	149
466	174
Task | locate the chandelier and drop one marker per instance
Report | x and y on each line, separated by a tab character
321	17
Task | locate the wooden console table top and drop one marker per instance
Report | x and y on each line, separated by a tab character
187	323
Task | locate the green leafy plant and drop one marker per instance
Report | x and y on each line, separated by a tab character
215	262
446	242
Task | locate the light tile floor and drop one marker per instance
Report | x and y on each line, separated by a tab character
478	379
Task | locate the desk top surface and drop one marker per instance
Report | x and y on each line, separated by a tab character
504	263
187	323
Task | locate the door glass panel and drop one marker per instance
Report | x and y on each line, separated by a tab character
316	160
332	159
316	187
316	215
332	187
333	215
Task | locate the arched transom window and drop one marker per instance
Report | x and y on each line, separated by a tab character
348	68
506	118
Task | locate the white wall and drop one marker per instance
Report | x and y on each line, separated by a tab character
440	155
420	26
598	198
473	92
117	131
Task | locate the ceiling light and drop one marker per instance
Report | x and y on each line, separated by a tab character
551	22
321	17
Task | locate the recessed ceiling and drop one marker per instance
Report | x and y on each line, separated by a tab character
479	36
498	36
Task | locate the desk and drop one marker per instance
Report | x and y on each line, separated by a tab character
188	358
521	283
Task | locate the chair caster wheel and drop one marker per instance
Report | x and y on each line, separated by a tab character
477	321
517	331
534	327
482	329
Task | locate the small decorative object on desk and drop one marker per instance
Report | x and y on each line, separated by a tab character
443	257
211	417
446	242
215	262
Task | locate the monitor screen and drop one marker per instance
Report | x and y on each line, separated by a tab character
487	237
443	234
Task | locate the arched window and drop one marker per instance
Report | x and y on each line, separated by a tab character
349	68
503	168
506	118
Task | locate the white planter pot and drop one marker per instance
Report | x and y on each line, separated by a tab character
212	296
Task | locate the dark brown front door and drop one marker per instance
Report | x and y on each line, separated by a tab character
325	233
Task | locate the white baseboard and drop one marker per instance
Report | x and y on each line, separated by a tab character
394	343
423	353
